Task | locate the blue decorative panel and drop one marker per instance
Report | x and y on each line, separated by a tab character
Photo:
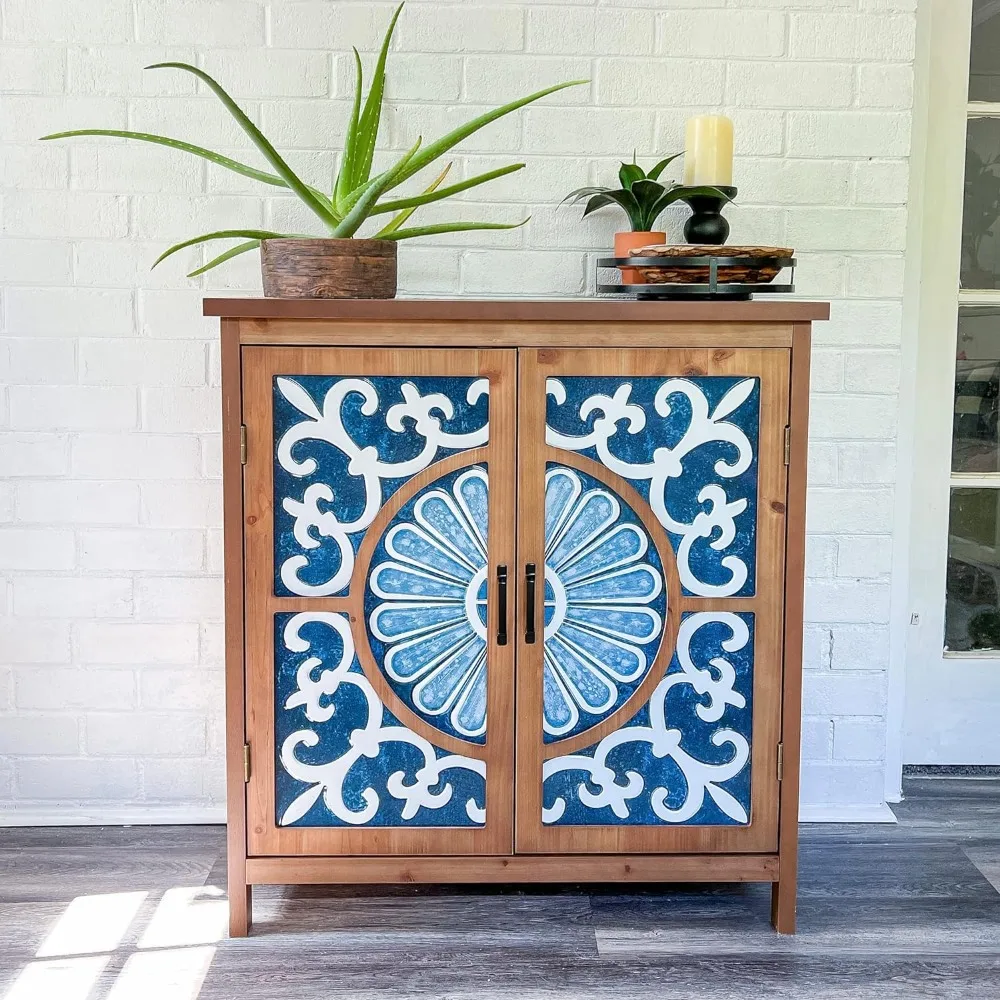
605	602
689	446
426	603
342	758
344	445
684	756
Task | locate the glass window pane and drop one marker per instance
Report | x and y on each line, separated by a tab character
975	447
972	605
980	232
984	66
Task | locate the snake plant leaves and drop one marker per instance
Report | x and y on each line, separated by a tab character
629	173
680	192
623	198
643	196
654	174
355	193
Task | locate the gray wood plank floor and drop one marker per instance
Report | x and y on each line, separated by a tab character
910	911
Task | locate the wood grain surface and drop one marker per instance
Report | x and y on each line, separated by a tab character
260	366
328	269
232	523
522	310
783	894
771	367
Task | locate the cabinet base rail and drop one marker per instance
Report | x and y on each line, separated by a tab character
520	868
513	868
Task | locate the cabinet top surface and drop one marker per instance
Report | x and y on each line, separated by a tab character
575	310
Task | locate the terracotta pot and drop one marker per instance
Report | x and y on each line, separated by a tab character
625	243
328	269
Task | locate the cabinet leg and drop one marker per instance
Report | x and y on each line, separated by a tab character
783	906
240	910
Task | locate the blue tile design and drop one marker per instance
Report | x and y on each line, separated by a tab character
342	759
425	603
689	446
605	602
684	757
343	446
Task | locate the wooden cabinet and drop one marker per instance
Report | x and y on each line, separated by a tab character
513	591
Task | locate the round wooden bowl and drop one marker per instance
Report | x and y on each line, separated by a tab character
750	273
328	269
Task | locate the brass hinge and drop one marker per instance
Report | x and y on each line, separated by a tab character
788	445
243	444
246	763
781	761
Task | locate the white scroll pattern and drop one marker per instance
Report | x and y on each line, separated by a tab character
327	424
317	696
667	463
701	778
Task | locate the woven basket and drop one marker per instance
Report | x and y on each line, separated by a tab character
685	275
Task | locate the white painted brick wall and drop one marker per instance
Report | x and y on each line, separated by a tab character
110	549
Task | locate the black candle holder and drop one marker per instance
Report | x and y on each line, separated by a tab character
707	225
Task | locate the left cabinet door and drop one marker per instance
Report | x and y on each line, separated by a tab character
379	496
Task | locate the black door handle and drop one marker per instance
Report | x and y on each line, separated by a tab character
502	605
529	589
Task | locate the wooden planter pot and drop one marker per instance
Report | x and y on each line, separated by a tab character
328	269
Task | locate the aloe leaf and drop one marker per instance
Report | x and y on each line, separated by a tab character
654	174
222	234
451	227
363	206
223	257
442	145
397	220
186	147
426	197
629	173
372	114
345	178
316	203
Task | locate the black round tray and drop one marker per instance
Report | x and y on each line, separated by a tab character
714	289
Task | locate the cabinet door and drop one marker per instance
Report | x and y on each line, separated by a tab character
379	499
652	508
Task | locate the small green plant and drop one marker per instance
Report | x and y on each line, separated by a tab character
643	196
356	194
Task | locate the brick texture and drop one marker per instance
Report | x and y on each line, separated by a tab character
110	620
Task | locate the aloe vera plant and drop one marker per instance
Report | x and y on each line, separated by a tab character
641	195
356	195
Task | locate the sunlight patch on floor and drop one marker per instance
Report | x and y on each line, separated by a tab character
170	961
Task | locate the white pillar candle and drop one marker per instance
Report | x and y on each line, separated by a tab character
708	151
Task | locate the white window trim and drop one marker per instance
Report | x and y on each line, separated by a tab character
930	305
